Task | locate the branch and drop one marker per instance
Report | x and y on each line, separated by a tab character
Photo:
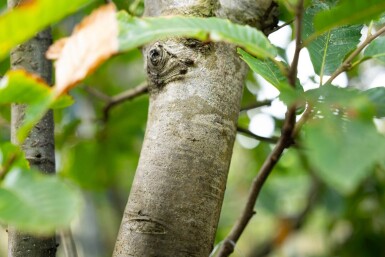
285	141
292	76
280	27
289	225
257	105
346	65
272	140
98	94
112	101
124	96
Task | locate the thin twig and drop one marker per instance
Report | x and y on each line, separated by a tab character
256	105
346	65
307	114
248	212
292	76
285	141
280	27
290	224
139	90
272	140
112	101
98	94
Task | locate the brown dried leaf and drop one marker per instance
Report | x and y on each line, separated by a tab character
56	49
93	41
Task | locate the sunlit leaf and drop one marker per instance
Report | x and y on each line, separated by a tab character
273	74
349	12
134	32
38	203
78	55
266	68
24	21
343	151
11	156
376	49
342	142
352	102
328	51
377	96
17	86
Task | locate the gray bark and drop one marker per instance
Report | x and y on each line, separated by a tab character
195	91
39	145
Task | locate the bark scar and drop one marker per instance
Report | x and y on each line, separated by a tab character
146	225
163	66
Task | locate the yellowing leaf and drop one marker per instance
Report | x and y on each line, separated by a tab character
93	41
29	17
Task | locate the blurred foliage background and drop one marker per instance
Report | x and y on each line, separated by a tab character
297	214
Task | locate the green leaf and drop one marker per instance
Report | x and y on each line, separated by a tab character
351	102
341	141
18	86
134	32
24	21
37	203
328	51
376	49
11	156
266	68
349	12
377	96
343	151
272	74
21	87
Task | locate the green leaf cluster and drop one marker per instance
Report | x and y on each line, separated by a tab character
31	201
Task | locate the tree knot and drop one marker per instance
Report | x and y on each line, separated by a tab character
163	66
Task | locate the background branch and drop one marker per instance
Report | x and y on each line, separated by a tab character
285	141
247	132
112	101
130	94
290	225
257	104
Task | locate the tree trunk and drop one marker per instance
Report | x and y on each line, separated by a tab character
195	91
39	145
